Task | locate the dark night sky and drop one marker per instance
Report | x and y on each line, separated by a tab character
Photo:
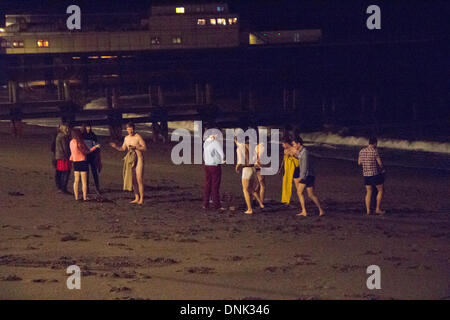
338	19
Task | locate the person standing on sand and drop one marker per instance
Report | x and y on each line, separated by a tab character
93	158
214	157
134	161
261	185
248	175
62	157
373	172
288	166
80	165
304	176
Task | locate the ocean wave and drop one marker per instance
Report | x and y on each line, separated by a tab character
333	139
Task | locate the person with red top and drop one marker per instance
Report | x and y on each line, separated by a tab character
79	151
373	172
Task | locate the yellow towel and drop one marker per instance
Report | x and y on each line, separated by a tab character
129	162
290	163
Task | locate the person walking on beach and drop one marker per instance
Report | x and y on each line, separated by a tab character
248	175
133	167
261	185
93	158
80	165
62	158
214	157
373	172
304	177
288	166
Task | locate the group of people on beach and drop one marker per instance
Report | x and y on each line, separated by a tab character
297	166
79	148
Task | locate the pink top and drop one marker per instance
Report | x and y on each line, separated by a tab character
78	154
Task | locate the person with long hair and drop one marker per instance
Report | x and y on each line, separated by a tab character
80	165
134	163
288	166
93	158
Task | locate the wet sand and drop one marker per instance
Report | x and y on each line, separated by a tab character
169	248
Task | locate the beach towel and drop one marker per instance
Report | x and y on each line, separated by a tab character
129	162
289	166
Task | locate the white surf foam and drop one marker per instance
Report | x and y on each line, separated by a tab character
335	139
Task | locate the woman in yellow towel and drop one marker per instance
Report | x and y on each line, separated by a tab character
288	166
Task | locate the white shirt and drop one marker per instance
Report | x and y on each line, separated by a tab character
212	152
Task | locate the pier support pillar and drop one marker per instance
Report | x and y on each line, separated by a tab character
15	112
160	97
150	98
208	93
66	88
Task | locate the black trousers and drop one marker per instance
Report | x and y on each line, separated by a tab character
62	179
94	170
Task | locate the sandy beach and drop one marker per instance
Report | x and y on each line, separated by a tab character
169	248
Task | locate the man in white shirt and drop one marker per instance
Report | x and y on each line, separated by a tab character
213	156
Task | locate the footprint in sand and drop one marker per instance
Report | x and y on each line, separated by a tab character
11	278
200	270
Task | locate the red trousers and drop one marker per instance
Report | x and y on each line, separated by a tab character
213	175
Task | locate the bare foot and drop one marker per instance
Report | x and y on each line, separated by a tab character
380	212
135	201
303	213
249	212
368	213
321	213
141	202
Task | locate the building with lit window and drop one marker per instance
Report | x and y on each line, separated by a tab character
193	26
167	27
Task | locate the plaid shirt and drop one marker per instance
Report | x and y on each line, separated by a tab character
369	164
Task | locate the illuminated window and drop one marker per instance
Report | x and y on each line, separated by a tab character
220	9
232	20
222	21
179	9
212	21
201	22
17	44
296	37
42	43
6	44
176	40
155	40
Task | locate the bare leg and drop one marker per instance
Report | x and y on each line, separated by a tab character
300	188
246	188
84	184
262	185
140	179
135	187
76	181
368	198
314	198
380	190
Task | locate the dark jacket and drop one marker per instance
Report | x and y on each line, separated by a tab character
62	150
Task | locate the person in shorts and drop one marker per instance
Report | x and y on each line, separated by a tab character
304	177
373	172
79	151
249	174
